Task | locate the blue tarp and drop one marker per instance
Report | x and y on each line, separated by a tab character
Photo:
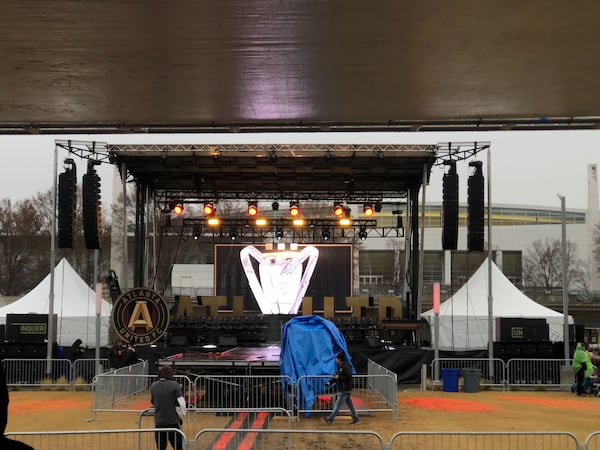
308	347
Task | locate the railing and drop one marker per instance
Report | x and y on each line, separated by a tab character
485	440
330	439
514	374
25	373
497	379
93	440
313	396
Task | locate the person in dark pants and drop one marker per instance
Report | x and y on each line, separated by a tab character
5	443
343	380
582	367
166	397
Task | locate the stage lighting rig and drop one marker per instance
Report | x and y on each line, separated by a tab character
252	209
294	208
338	210
362	233
209	209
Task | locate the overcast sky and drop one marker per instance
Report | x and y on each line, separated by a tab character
528	168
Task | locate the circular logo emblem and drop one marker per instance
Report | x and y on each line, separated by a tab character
140	316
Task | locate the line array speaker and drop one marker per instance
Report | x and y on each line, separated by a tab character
67	199
475	229
450	207
92	211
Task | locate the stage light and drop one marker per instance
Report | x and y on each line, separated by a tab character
279	233
362	233
213	221
252	209
345	221
298	222
338	210
377	207
196	235
294	209
368	209
275	206
261	222
209	209
325	234
178	208
233	234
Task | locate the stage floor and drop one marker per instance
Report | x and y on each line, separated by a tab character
237	357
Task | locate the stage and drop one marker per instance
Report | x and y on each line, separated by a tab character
405	361
234	360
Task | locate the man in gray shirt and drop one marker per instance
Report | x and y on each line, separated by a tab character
166	396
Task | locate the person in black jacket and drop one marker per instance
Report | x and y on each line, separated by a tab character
343	380
5	443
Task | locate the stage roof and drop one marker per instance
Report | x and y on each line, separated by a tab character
115	66
350	173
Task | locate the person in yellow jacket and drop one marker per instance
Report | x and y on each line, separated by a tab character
582	367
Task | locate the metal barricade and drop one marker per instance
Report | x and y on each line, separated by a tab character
140	439
313	396
497	380
287	439
127	392
537	372
386	386
238	392
592	442
484	441
34	373
83	371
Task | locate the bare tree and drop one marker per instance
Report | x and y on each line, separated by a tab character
23	240
542	266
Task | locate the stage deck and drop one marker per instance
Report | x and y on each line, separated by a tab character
238	357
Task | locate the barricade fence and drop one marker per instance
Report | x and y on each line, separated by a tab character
140	439
515	373
485	441
260	439
384	382
53	373
127	393
233	393
312	395
330	439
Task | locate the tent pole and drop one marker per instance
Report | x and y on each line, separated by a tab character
52	259
490	292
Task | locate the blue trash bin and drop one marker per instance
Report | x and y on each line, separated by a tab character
450	380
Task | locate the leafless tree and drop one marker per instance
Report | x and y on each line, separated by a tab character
542	266
23	240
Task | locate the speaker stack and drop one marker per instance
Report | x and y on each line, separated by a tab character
475	229
450	207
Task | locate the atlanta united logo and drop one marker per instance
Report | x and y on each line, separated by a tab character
140	316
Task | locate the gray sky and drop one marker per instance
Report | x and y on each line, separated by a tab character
528	168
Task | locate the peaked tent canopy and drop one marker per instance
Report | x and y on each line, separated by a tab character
463	319
74	306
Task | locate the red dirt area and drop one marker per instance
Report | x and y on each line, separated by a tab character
447	404
56	404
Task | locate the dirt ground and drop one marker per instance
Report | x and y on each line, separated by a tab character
417	411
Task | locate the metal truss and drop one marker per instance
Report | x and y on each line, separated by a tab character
475	124
284	229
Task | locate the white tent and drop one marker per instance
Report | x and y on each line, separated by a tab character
74	305
463	319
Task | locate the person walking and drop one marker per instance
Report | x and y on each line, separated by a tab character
582	367
343	381
169	408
